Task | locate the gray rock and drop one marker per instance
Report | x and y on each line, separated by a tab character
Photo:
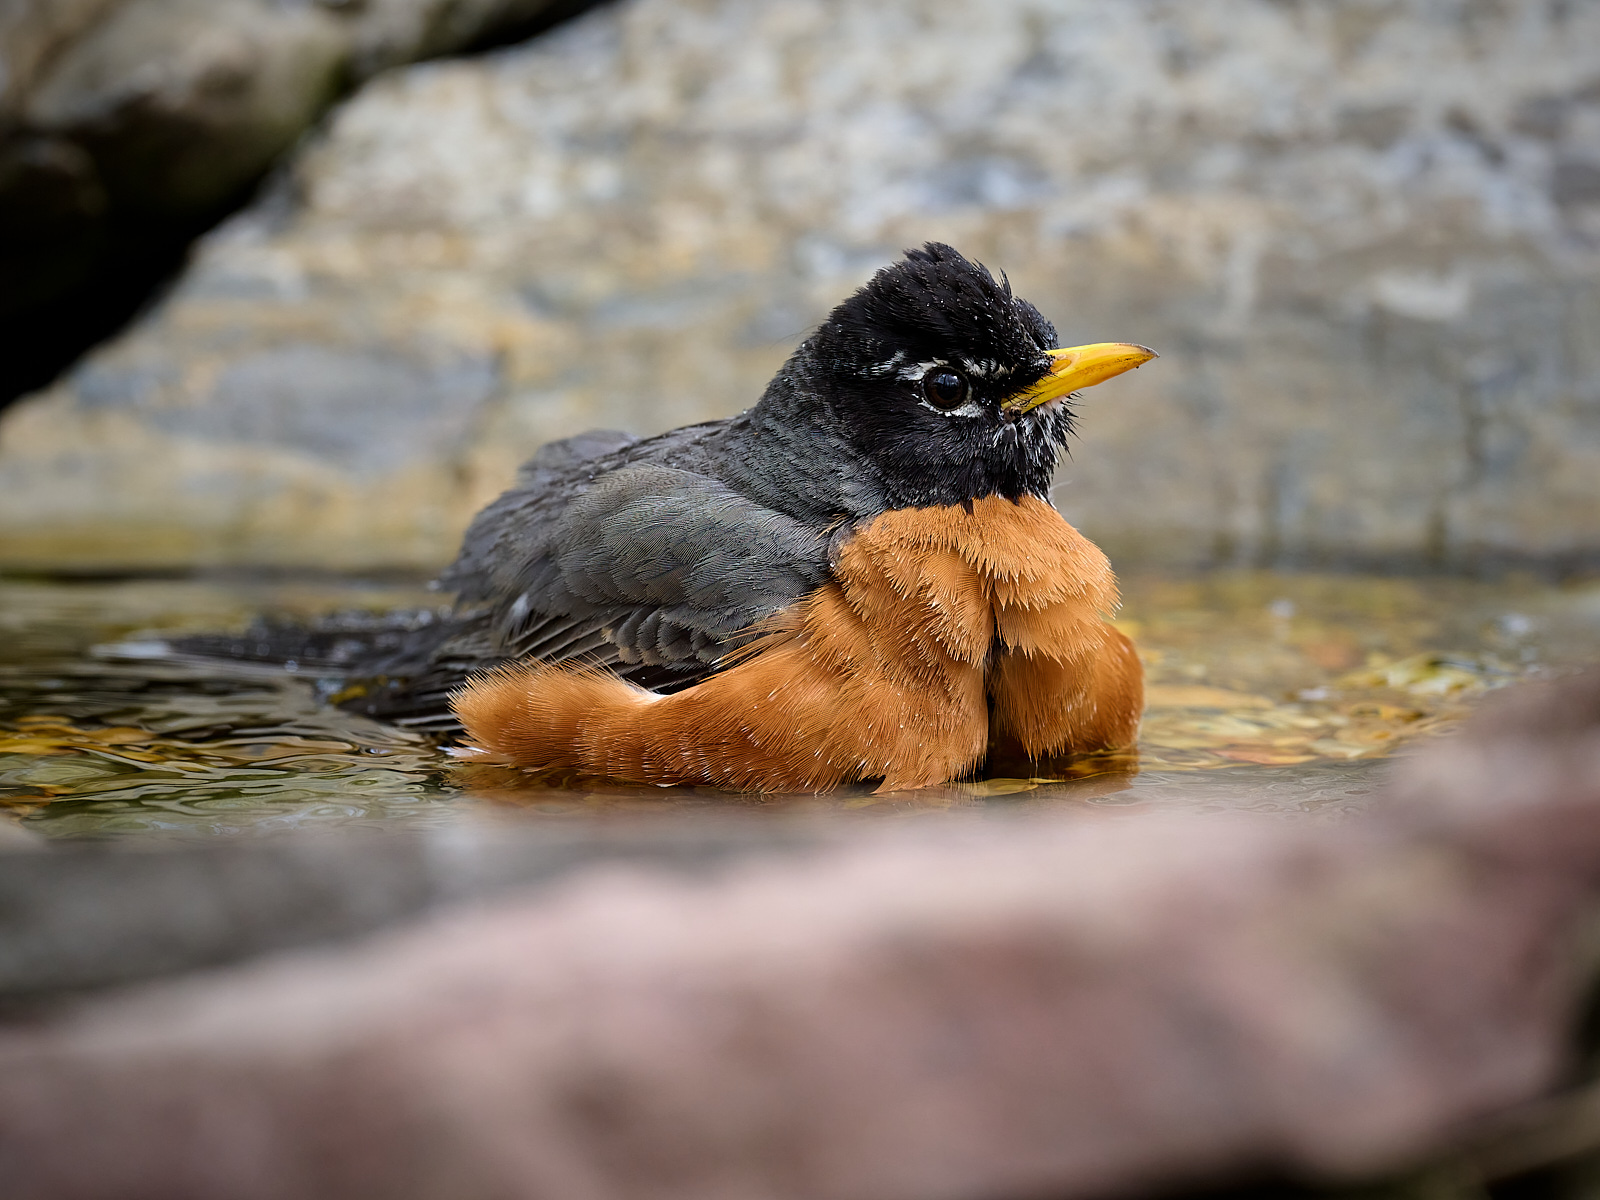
181	101
173	106
370	410
1364	239
76	916
32	33
386	33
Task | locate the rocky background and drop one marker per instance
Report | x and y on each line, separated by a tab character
1364	234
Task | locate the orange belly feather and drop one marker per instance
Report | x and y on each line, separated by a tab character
935	616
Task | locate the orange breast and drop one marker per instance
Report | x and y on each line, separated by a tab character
885	673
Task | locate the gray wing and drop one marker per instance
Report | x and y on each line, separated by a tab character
645	566
617	553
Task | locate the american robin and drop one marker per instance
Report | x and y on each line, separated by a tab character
859	578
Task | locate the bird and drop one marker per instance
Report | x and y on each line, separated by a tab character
860	578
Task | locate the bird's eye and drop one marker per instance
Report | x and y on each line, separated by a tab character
945	388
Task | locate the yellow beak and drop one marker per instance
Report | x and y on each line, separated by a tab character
1080	367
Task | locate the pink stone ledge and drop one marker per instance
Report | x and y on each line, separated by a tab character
1044	1006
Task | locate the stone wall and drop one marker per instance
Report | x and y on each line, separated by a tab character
1364	236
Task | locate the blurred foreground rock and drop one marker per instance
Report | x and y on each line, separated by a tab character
1058	1006
1365	237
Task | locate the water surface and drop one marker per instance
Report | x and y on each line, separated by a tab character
1267	691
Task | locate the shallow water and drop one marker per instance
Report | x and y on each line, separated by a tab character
1267	691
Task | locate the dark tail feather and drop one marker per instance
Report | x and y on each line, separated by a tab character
339	643
394	666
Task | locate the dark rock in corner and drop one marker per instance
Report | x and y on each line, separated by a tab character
127	121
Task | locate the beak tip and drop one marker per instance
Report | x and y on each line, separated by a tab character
1076	367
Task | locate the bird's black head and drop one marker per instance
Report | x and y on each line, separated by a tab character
941	382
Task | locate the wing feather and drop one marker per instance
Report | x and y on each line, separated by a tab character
626	562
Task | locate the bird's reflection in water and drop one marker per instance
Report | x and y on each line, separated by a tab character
1086	778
